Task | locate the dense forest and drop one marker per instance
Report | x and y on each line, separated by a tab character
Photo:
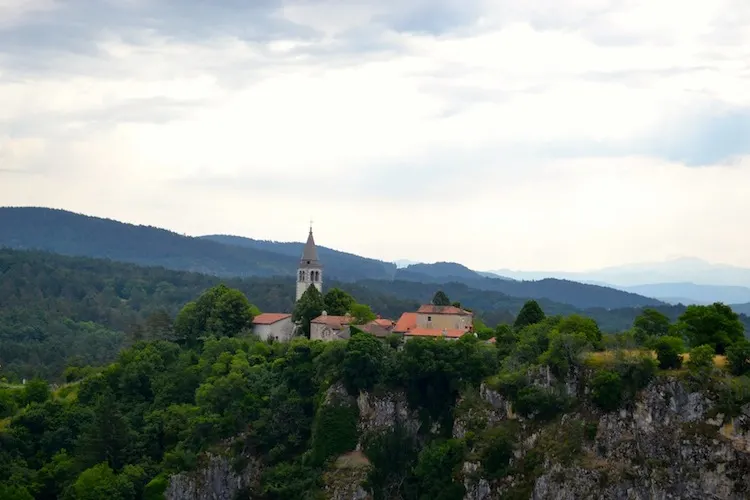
68	233
58	310
286	410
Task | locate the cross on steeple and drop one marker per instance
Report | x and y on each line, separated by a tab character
311	223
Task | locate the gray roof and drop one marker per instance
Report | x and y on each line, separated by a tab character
310	253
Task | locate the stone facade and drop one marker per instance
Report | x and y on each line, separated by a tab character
276	326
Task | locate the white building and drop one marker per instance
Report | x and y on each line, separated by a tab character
276	326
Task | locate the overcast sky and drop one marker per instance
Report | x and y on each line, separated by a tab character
536	134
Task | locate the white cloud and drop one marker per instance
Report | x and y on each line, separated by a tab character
525	139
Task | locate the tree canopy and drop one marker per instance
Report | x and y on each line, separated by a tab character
309	306
530	314
716	325
440	299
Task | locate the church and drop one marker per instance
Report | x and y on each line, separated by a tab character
429	321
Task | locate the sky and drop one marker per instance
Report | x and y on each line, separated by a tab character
532	135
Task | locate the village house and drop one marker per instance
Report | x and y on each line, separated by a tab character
327	327
429	320
276	326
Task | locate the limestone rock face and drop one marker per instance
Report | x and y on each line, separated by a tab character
666	447
380	413
215	479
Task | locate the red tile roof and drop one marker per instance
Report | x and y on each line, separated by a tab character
406	322
435	332
431	309
269	318
333	321
373	329
384	323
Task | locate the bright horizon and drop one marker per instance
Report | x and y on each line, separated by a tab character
550	135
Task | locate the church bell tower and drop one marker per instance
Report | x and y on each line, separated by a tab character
310	270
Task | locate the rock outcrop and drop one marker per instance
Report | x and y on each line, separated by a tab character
669	443
214	479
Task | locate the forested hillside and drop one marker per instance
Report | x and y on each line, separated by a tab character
340	265
67	233
58	309
563	291
553	405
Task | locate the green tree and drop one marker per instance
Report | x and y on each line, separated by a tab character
361	314
106	438
436	470
701	361
362	366
309	306
715	325
14	492
440	299
219	311
100	482
606	390
575	323
668	352
738	357
36	391
159	326
337	302
651	323
531	313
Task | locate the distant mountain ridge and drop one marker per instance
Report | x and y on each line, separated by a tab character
681	270
690	293
341	265
68	233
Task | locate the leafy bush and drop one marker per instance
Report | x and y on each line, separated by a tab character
541	404
668	350
334	431
606	390
738	357
496	451
701	359
436	469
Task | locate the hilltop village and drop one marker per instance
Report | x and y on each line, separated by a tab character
429	320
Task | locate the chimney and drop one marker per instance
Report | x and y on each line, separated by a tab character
445	332
324	313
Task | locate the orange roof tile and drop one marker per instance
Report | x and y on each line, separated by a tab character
333	321
270	318
385	323
435	332
432	309
406	322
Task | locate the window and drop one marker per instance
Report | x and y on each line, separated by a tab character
429	318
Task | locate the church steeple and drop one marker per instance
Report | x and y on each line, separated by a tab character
310	270
310	252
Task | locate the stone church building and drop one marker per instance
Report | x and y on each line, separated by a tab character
429	321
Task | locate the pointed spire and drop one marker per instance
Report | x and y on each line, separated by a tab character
310	253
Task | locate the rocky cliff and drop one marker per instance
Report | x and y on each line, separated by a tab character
670	442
